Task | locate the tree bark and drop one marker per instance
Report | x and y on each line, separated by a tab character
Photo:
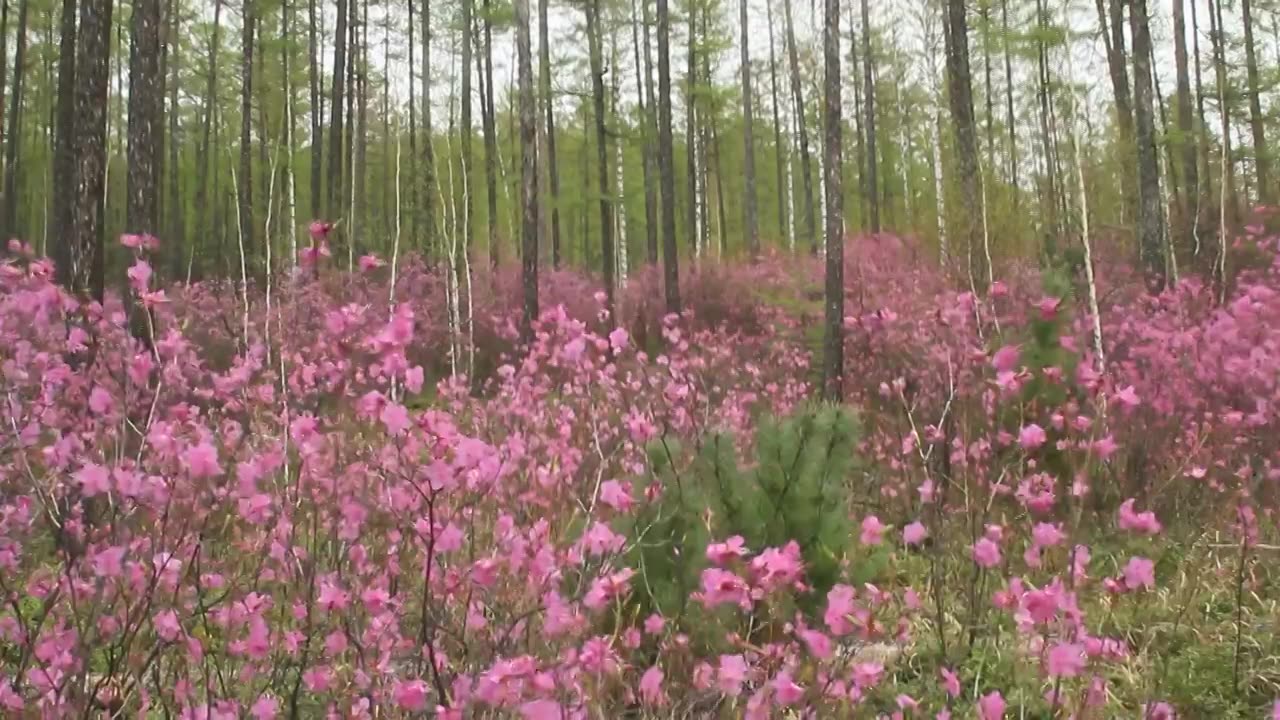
644	99
144	118
93	56
602	153
1261	161
490	138
749	153
666	163
872	182
9	223
528	171
1186	129
335	169
810	230
548	102
961	101
833	341
177	227
245	181
778	148
205	206
1010	119
317	111
1150	220
64	154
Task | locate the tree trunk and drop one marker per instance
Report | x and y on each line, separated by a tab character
1150	223
144	121
317	111
872	182
1186	129
64	152
961	101
833	342
1228	179
9	223
548	102
335	170
749	157
778	148
428	142
490	138
1261	162
666	163
691	136
245	181
528	171
1049	199
793	55
1010	119
602	153
644	99
177	227
205	206
93	50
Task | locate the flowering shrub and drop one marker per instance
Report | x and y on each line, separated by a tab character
292	509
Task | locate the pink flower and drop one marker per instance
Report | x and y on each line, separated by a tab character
991	706
1139	573
915	533
94	480
872	531
167	625
370	262
1158	711
618	339
413	379
319	230
1006	358
1127	397
732	674
785	689
1065	660
616	495
722	553
839	607
1143	522
201	461
950	682
100	401
867	674
109	562
1047	535
265	708
819	645
1031	437
986	553
542	710
1048	307
721	586
395	418
651	686
410	695
139	275
654	624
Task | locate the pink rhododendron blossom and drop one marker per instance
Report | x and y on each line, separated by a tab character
914	533
1139	573
1031	436
872	531
986	553
991	706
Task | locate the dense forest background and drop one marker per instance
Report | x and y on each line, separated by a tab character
223	128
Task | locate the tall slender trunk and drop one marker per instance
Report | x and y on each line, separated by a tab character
177	226
872	183
779	149
984	8
431	229
1186	141
9	223
1010	118
548	102
1262	163
64	154
666	163
245	184
1228	170
810	230
833	342
1150	222
961	101
602	153
691	135
93	51
748	142
490	138
644	99
204	206
1049	200
528	171
335	169
317	111
144	118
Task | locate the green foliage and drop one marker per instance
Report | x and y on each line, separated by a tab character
794	492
